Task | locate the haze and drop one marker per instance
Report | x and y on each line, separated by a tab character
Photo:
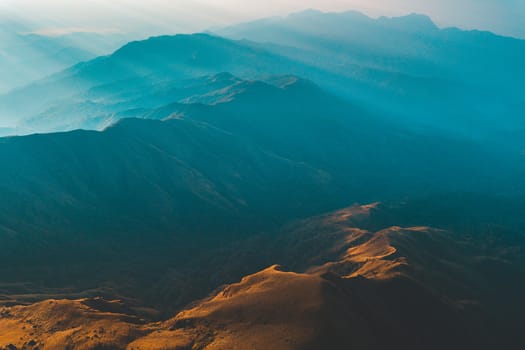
54	17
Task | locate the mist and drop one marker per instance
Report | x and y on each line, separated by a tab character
183	16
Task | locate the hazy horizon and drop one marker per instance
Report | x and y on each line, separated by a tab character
57	17
122	21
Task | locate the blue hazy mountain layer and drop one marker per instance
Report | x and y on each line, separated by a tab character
413	116
406	68
26	57
154	61
268	153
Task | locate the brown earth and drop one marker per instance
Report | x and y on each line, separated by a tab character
398	288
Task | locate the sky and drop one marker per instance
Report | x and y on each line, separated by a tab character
55	17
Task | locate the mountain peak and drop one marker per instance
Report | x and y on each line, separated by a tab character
168	40
223	77
413	21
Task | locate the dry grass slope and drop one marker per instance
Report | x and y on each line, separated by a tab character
373	289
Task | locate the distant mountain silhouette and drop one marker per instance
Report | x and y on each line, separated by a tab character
405	67
103	105
27	57
412	45
153	61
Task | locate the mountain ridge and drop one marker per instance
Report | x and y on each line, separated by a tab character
338	292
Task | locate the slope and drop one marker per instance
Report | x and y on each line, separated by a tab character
363	284
152	61
404	67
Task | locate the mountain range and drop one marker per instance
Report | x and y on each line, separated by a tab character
405	67
440	74
315	181
357	283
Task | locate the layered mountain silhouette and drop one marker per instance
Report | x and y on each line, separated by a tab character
197	192
138	65
406	67
26	56
144	200
412	45
256	145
